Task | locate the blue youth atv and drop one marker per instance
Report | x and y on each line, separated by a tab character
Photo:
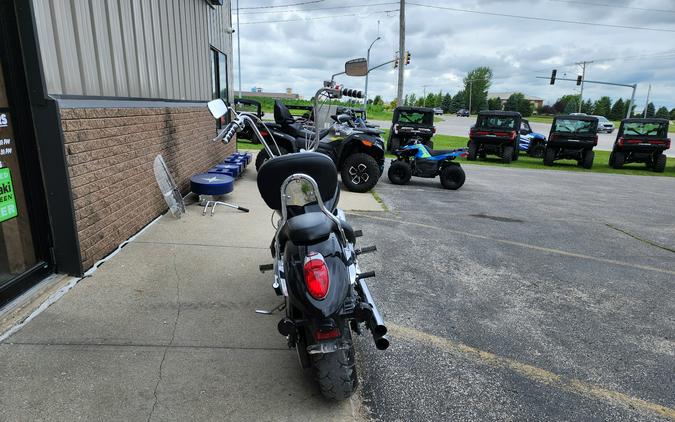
421	161
532	143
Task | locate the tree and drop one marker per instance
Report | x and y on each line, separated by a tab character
517	102
476	85
406	100
378	100
412	100
559	106
662	113
587	106
420	102
457	102
571	106
618	110
672	114
547	109
494	103
603	106
446	103
438	99
430	101
651	110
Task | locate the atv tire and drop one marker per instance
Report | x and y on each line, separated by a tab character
452	177
587	160
507	154
536	151
549	156
473	150
336	372
619	158
660	163
360	172
264	156
516	154
399	172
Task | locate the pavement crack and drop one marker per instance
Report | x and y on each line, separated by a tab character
638	238
173	336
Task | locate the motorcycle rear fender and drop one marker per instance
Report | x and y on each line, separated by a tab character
338	271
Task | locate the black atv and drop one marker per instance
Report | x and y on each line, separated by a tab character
495	133
410	125
358	153
641	141
573	138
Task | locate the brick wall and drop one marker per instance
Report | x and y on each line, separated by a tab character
110	153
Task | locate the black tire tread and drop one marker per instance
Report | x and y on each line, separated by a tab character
373	171
402	166
452	177
336	373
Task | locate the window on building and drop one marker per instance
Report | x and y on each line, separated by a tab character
219	88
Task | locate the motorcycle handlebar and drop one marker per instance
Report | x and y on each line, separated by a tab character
227	133
355	93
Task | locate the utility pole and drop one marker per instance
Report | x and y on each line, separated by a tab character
583	78
424	95
401	52
470	91
649	91
238	51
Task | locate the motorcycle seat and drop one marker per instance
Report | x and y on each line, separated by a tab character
311	228
300	132
307	229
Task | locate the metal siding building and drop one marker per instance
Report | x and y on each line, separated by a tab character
150	49
90	92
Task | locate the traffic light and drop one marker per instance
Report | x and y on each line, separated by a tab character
579	80
553	73
395	63
407	57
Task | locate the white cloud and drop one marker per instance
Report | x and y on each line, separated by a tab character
446	44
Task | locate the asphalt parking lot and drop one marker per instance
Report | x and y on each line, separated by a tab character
525	295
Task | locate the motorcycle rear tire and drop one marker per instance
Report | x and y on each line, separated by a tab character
336	372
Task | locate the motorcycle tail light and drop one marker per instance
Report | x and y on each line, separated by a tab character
367	142
316	276
326	335
264	133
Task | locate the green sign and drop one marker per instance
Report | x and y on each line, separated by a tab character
7	200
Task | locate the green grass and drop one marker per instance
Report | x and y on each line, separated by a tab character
600	164
379	200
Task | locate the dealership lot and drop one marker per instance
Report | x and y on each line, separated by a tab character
525	295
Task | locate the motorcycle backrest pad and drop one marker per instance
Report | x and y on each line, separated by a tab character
315	165
282	115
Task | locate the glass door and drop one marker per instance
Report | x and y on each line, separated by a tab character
17	251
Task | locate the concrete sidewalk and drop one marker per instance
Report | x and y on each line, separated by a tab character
166	330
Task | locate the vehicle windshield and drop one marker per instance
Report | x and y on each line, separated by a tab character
574	126
497	122
415	117
645	129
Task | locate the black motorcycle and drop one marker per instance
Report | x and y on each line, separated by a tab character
356	149
315	259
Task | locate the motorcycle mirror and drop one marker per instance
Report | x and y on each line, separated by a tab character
356	67
218	108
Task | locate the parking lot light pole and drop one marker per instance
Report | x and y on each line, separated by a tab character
365	94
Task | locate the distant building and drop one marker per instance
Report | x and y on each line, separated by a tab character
258	92
503	96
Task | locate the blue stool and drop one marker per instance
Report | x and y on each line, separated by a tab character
236	162
213	185
229	169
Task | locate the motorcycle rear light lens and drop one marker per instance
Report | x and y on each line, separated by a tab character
327	335
367	143
316	276
264	133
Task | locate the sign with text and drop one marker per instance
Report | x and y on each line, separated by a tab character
7	199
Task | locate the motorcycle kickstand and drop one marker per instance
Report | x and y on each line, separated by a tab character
278	308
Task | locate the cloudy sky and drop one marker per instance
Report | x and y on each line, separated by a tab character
298	46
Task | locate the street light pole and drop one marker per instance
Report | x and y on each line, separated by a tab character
401	53
365	95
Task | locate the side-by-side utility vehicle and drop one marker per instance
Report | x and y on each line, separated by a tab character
495	133
641	141
572	138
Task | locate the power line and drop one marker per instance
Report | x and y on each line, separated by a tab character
320	8
585	3
281	5
532	18
358	15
